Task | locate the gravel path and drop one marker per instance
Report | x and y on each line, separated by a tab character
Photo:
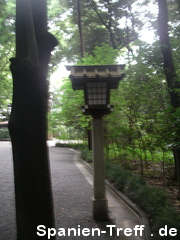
71	192
72	195
7	201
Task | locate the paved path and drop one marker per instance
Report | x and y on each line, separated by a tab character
71	191
72	194
7	203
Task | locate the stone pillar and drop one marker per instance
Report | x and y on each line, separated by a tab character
100	205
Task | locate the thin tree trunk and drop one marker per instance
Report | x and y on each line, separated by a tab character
28	124
169	70
80	28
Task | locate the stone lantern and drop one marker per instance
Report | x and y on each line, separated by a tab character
97	81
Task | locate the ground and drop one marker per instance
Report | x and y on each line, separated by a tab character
160	175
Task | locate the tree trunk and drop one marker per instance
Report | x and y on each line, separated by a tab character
169	70
28	124
80	28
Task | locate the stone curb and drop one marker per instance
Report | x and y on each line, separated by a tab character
142	215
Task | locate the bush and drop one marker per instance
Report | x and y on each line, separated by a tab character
123	179
112	172
170	217
151	199
4	134
86	155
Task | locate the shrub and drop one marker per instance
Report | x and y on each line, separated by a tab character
112	172
151	199
4	134
167	216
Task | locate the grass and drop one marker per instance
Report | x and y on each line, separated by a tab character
132	152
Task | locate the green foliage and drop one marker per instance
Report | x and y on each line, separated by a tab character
123	179
126	153
4	134
7	36
101	22
66	111
141	125
170	217
151	199
86	155
101	55
61	28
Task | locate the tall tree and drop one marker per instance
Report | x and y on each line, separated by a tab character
80	28
27	123
170	73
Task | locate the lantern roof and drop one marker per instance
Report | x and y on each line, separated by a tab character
80	74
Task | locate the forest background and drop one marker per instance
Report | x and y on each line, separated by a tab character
142	133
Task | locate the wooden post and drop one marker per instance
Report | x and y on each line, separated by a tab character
100	205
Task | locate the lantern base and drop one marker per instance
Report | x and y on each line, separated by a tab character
100	209
98	112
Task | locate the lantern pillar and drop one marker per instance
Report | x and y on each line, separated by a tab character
100	204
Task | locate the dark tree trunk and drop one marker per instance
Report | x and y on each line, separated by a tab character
80	28
169	70
28	124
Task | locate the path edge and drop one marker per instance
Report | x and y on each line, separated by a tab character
141	214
